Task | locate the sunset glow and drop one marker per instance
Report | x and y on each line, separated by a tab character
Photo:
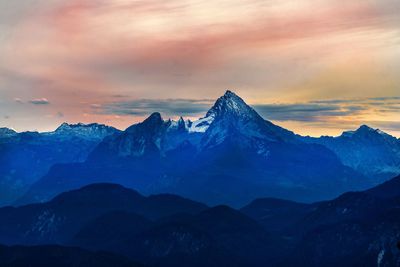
315	67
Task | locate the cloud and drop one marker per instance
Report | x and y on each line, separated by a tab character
307	111
169	107
385	98
39	101
311	111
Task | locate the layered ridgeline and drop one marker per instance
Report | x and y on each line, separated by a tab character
355	229
26	157
230	156
159	230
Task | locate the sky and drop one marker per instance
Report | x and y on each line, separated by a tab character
316	67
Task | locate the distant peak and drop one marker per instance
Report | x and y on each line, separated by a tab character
230	103
65	125
93	131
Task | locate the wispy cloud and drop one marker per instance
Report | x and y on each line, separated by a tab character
307	111
312	111
169	107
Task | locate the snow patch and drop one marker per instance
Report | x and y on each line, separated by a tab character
201	125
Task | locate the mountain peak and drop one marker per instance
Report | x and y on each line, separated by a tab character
230	104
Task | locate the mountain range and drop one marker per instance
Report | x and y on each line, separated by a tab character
354	229
230	156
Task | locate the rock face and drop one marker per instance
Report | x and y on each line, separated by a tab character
230	156
26	157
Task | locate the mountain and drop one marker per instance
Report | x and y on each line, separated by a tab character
230	156
370	151
159	230
6	132
355	229
58	220
151	138
53	255
231	116
27	156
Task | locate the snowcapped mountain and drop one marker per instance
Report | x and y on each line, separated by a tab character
230	156
370	151
27	156
229	116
